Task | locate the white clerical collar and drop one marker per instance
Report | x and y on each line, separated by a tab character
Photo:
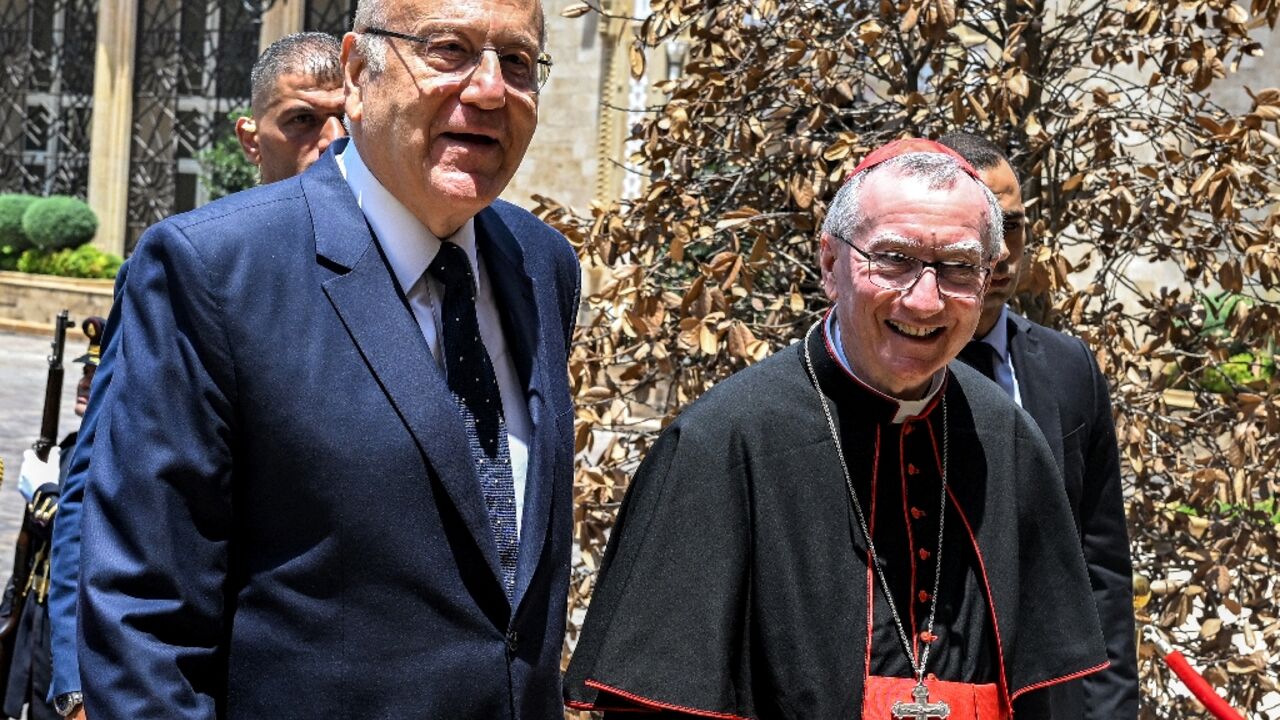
998	337
907	409
409	245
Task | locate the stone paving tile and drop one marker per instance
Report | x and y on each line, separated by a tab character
24	367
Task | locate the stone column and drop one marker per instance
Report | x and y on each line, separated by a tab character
615	79
284	18
611	126
112	126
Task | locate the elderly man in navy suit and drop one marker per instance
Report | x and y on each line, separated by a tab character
1055	378
333	466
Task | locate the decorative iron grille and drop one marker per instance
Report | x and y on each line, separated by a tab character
330	16
46	95
192	65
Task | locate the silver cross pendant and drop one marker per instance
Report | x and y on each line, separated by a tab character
920	708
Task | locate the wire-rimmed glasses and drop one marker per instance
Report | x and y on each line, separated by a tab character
451	56
897	271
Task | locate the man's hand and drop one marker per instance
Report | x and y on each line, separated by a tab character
35	472
78	714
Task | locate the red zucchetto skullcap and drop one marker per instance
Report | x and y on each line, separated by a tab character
904	146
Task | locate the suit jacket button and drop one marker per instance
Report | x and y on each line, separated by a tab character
513	641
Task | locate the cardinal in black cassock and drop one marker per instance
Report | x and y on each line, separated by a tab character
739	582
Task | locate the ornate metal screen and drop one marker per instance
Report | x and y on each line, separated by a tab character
191	68
46	95
330	16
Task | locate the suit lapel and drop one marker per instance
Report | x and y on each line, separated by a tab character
376	316
513	291
1032	367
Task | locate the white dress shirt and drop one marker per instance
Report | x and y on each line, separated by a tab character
1006	377
410	247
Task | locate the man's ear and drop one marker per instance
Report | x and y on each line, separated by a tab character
247	134
353	75
828	256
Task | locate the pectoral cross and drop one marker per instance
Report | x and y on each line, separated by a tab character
921	708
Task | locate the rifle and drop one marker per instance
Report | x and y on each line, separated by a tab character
15	594
53	389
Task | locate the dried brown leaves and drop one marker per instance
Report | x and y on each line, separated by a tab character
1126	163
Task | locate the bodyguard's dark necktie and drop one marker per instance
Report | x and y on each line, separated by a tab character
475	389
981	357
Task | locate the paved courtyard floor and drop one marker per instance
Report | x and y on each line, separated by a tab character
24	367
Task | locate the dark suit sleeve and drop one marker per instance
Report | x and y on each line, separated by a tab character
157	509
571	277
1113	693
64	563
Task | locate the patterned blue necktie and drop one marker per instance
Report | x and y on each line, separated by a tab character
475	389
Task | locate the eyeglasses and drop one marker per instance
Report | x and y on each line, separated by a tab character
895	271
451	56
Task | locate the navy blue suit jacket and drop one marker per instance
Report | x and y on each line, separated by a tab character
282	519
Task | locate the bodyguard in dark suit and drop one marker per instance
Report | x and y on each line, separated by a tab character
1055	378
332	473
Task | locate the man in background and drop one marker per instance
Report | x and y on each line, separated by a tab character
1055	378
296	106
30	666
297	111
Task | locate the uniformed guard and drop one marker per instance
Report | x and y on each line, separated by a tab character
30	663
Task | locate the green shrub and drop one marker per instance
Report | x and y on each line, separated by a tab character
12	239
9	257
1264	511
58	222
85	261
1241	370
1219	307
223	167
35	262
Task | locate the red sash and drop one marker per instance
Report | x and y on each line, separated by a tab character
966	700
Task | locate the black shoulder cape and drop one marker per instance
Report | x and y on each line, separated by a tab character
734	584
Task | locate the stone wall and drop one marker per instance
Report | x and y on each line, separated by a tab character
29	303
1256	73
561	162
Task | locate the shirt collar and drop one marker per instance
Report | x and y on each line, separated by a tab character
409	245
998	337
907	409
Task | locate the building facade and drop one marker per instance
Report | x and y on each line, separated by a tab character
113	100
46	95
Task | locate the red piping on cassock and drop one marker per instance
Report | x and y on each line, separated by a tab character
650	703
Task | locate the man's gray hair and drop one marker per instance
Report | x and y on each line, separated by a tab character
845	218
371	13
316	55
373	48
